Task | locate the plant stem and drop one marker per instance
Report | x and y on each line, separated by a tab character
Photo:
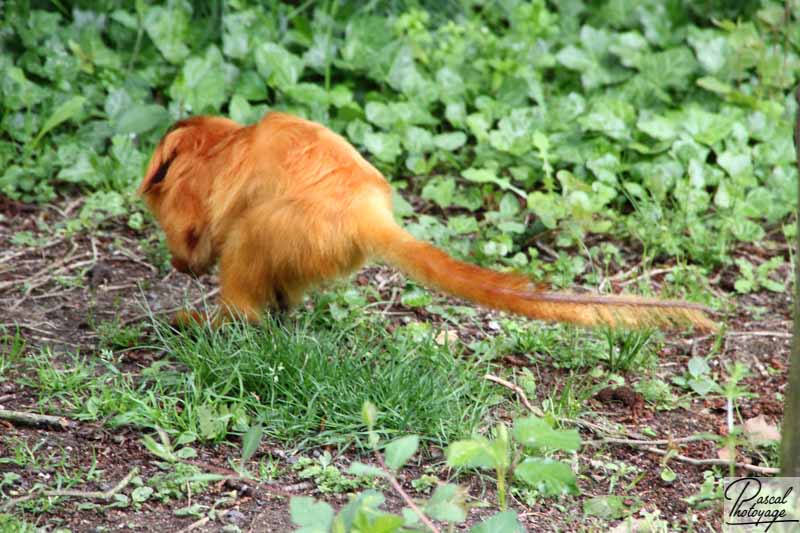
501	487
403	494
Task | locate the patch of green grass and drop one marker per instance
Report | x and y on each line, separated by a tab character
578	348
113	334
304	378
12	524
571	398
12	347
307	382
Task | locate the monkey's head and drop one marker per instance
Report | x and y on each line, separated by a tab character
176	188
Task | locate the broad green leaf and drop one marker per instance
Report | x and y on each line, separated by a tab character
450	141
609	507
476	453
141	494
738	165
548	207
186	452
612	117
309	94
17	91
418	140
62	113
698	366
251	441
369	45
708	128
416	297
405	77
360	469
369	414
537	433
168	27
440	190
399	451
202	84
82	172
711	49
504	522
669	69
312	516
158	449
548	476
451	84
479	125
461	224
485	175
448	504
659	127
211	423
141	118
384	146
277	65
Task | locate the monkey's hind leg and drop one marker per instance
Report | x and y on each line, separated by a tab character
246	276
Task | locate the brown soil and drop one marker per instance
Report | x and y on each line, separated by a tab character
59	289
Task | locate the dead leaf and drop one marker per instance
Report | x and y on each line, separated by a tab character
446	337
633	525
725	454
760	431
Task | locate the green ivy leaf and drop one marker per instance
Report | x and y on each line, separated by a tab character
140	118
385	146
168	27
66	111
450	141
277	65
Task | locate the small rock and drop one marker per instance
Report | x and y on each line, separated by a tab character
99	274
235	517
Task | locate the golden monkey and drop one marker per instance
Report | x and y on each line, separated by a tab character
286	204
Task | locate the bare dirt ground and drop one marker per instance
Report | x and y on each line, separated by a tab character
40	295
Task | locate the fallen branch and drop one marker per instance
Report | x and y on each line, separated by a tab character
712	462
67	493
232	475
194	525
32	419
775	334
640	442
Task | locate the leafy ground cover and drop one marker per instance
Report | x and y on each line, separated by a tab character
640	147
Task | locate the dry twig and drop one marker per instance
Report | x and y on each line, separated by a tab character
32	419
406	498
86	495
518	390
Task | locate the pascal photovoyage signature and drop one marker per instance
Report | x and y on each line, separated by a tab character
752	508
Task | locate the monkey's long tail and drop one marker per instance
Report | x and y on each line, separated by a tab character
516	294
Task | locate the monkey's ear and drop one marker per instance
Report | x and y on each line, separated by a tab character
160	173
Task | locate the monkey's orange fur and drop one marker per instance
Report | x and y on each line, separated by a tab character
286	203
